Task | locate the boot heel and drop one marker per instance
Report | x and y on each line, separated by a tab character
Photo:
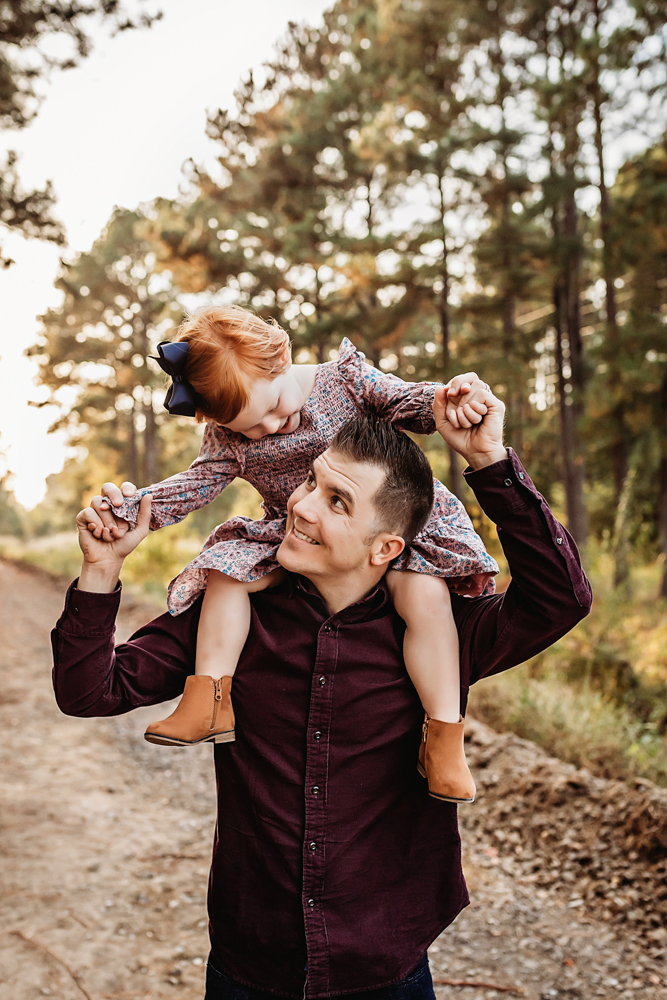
224	737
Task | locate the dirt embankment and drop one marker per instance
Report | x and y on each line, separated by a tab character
106	842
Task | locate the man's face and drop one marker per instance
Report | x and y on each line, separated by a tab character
331	519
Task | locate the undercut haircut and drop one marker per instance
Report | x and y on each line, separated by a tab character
405	499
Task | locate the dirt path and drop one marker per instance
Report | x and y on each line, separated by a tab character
106	843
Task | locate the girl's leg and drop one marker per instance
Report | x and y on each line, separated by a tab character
431	643
205	713
431	653
225	622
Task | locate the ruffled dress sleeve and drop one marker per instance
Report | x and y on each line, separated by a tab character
409	405
218	463
448	546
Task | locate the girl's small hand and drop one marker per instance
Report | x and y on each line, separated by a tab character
466	405
472	424
116	495
460	384
104	524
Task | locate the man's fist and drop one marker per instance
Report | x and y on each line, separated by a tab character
104	550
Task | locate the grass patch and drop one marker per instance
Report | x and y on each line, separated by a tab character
598	697
58	554
576	723
147	570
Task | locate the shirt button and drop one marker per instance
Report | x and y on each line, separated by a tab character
327	628
311	902
323	681
508	482
75	611
521	475
317	735
315	789
312	845
559	541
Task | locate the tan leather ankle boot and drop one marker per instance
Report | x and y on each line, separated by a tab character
442	761
203	715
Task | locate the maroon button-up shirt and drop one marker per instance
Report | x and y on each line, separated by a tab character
328	852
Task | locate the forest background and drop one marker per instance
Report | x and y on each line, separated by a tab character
431	179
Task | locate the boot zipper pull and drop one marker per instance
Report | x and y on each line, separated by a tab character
218	693
425	730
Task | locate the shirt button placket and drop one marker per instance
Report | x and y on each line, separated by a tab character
314	842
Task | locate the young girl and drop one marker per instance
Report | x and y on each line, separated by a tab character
266	420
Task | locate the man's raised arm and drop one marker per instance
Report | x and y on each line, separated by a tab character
90	676
548	593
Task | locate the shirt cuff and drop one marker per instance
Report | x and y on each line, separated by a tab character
89	614
504	486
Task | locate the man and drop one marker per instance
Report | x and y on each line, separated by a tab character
333	869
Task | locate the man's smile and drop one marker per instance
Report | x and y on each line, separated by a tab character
303	537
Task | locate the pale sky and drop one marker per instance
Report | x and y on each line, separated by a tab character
116	131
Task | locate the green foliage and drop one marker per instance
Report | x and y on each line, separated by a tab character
573	722
26	59
154	563
114	311
598	697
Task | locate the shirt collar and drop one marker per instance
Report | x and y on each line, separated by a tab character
367	607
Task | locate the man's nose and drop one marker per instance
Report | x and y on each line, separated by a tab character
304	508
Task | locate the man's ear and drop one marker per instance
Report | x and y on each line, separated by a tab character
384	548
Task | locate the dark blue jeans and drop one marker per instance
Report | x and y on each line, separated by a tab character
417	986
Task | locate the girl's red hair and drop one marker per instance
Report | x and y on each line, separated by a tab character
230	347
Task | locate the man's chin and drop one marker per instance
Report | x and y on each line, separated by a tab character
293	559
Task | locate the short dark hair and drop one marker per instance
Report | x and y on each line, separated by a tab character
405	498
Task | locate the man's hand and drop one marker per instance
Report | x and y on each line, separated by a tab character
470	419
103	550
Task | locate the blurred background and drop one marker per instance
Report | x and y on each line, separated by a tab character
453	185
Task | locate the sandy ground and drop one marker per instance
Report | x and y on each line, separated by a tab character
106	843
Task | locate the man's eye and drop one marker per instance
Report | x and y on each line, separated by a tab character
310	481
338	503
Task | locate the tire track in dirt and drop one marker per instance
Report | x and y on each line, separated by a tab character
106	843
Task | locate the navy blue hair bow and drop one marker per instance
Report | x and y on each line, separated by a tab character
181	399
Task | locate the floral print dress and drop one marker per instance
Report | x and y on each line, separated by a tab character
275	465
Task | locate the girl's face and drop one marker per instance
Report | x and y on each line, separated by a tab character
273	407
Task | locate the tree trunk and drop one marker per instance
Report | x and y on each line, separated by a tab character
131	451
514	421
662	496
572	471
150	435
577	521
455	477
151	474
622	533
620	444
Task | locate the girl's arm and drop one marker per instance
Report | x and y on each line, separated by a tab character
409	405
173	499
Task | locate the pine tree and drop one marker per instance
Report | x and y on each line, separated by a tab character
25	62
114	310
639	227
